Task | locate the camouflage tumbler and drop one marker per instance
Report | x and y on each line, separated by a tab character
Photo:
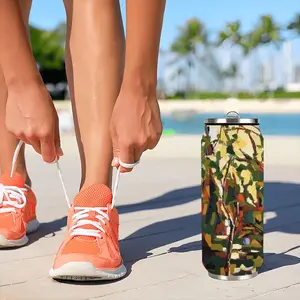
232	197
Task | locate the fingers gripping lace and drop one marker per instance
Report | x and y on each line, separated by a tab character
81	216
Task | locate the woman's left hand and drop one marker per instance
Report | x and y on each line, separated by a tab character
135	126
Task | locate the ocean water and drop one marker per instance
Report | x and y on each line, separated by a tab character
270	124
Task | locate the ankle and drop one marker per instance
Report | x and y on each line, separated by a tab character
23	173
87	183
28	181
25	176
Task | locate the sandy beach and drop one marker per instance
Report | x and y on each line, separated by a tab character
223	106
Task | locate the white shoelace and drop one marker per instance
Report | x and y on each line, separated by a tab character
15	197
12	197
80	219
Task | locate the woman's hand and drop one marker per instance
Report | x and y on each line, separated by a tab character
32	118
135	126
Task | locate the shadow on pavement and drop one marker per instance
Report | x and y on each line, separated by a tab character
48	229
170	199
139	244
280	198
173	198
283	199
274	261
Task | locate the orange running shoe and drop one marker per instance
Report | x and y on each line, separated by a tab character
17	211
90	250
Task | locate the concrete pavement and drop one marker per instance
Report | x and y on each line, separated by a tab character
159	206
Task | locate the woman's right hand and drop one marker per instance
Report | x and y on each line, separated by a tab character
32	118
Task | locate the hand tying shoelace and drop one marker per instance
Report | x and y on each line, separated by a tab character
81	215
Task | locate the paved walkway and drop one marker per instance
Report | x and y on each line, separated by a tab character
160	237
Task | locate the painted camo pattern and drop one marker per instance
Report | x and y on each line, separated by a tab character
232	200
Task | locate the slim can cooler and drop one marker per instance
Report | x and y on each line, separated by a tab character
232	197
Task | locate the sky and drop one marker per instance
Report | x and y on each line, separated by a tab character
47	14
214	13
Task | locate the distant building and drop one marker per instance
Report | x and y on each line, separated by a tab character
294	85
296	74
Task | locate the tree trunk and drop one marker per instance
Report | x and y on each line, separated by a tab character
234	67
189	77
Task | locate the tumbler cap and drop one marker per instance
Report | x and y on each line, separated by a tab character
232	118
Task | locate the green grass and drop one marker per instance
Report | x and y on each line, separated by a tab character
242	96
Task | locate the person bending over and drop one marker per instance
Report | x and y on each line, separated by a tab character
116	117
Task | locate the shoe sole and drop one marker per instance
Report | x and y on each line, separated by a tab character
31	227
85	271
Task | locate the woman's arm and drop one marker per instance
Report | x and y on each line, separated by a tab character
16	59
143	29
136	124
30	113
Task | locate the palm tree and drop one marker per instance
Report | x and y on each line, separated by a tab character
233	36
186	44
267	32
178	74
295	25
47	48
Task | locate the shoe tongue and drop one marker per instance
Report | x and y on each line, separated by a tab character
97	195
15	180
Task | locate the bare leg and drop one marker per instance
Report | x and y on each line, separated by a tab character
95	61
8	141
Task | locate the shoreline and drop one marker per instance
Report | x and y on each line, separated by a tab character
282	106
171	147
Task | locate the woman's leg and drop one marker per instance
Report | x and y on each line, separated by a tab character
95	57
8	141
95	61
